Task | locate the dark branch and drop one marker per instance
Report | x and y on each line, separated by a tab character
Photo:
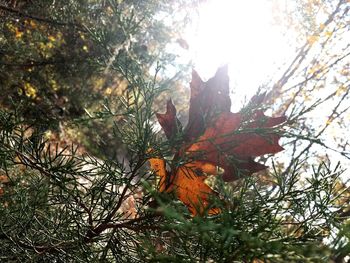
19	13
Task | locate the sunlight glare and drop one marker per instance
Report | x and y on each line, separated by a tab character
242	35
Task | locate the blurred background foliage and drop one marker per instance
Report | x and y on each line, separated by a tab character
60	59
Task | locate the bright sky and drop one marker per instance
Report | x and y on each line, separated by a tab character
244	35
241	34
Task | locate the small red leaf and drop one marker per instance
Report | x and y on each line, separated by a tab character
168	120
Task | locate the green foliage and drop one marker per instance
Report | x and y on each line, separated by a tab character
59	58
64	203
62	206
279	222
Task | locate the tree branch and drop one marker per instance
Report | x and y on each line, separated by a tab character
19	13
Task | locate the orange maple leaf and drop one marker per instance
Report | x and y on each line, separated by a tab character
214	137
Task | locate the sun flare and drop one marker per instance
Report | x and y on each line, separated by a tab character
243	35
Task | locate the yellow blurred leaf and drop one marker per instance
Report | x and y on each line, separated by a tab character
18	33
312	39
341	90
328	33
108	91
51	38
32	24
30	90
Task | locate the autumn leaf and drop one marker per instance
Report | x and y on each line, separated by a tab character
188	183
214	137
228	136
